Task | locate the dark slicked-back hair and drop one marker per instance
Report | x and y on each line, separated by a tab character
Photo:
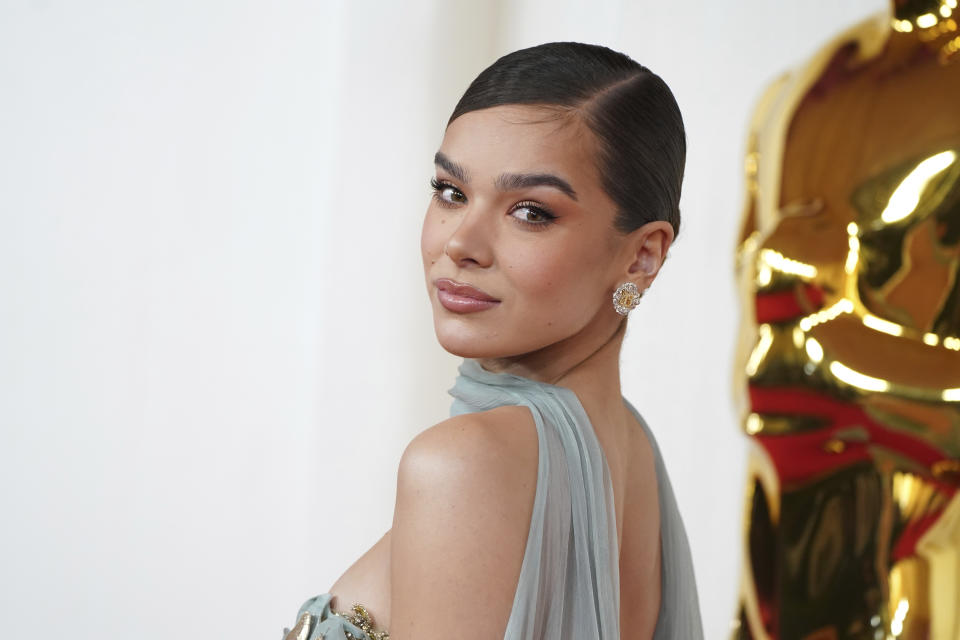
630	110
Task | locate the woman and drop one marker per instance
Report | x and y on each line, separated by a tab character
541	508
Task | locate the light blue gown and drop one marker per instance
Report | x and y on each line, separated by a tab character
569	584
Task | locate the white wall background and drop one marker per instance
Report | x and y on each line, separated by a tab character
214	335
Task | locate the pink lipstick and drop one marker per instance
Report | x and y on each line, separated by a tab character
462	298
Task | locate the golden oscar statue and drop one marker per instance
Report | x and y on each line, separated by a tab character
847	373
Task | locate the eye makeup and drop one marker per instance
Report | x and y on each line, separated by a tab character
448	195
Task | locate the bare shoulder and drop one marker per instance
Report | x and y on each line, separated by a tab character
501	437
465	491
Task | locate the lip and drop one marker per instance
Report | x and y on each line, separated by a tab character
460	297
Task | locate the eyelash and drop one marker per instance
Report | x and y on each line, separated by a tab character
439	186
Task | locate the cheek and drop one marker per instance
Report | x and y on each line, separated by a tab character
432	237
549	279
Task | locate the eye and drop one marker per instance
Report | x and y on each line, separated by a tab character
446	194
530	214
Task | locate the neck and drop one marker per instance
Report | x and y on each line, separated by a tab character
587	362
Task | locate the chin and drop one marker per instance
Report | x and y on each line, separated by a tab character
462	353
460	338
468	336
466	344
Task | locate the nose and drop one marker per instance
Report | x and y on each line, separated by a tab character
470	242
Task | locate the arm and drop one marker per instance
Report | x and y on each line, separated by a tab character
465	491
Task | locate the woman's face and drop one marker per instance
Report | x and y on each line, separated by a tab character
519	214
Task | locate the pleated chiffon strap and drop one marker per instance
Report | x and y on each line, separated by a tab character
569	584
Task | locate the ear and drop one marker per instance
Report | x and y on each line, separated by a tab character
648	247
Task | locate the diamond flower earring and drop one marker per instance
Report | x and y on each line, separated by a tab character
627	297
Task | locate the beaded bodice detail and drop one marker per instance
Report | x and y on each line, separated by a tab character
317	620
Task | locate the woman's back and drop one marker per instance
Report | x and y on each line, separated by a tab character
568	572
593	561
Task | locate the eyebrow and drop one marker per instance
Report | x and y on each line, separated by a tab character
508	181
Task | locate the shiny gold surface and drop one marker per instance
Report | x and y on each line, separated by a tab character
847	372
